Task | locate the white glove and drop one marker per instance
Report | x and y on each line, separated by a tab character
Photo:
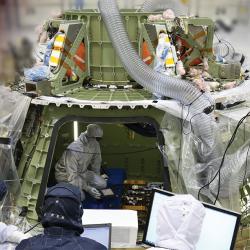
104	176
10	233
18	236
94	192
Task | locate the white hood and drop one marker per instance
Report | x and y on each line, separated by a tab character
179	223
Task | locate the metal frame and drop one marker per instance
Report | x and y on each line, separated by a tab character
100	120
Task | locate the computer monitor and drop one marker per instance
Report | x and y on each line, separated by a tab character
99	232
219	228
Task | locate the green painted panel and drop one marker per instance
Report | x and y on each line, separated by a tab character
103	59
110	95
95	52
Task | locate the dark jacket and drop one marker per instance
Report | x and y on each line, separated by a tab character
56	238
62	222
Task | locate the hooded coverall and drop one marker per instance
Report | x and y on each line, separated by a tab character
80	164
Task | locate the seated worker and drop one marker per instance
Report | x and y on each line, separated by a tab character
81	162
62	221
10	235
179	223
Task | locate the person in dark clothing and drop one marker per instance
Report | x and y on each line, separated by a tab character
62	222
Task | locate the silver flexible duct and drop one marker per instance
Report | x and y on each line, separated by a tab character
161	5
155	82
233	171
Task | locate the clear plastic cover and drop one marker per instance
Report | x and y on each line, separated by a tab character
13	110
190	173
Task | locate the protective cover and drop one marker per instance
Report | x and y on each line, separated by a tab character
37	73
190	173
13	110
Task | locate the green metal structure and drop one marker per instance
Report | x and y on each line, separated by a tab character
53	132
103	66
49	125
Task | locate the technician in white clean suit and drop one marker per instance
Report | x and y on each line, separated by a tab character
10	235
179	223
81	162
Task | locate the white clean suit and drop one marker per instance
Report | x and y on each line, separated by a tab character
10	236
80	164
179	222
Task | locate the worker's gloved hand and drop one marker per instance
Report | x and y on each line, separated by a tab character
104	176
18	236
94	192
10	233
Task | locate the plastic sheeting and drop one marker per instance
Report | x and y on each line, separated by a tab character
37	73
189	174
13	110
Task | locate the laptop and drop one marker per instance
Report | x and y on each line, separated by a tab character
99	232
219	229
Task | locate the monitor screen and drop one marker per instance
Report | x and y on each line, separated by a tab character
219	229
100	233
